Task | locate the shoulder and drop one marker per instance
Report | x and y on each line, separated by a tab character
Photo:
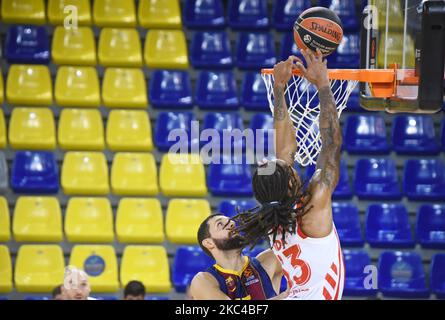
269	261
203	279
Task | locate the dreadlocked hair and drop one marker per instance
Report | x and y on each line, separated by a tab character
281	206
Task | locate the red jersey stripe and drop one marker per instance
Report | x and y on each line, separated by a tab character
326	294
330	280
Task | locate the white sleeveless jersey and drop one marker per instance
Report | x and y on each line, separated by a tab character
313	267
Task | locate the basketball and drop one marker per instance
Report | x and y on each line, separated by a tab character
320	28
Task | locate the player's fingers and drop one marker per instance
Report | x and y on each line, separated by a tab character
310	57
306	57
318	54
295	59
301	68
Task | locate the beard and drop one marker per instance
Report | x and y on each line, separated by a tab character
233	243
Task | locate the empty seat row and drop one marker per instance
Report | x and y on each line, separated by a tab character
78	129
411	135
117	47
121	47
103	13
397	274
86	173
90	220
40	268
254	15
388	226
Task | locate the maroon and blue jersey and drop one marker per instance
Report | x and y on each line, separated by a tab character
251	283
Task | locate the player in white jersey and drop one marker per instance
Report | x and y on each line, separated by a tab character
297	220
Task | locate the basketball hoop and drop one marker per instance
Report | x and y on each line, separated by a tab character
304	108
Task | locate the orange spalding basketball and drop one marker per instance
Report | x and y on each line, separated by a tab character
320	28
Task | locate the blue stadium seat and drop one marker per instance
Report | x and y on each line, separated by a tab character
355	263
376	179
347	223
254	92
37	298
168	121
260	125
216	90
230	178
365	134
254	252
225	124
156	298
346	11
347	55
211	49
287	11
170	89
343	189
205	14
431	226
437	275
424	179
27	44
35	172
228	207
108	298
289	47
189	260
248	14
401	275
387	226
255	50
414	135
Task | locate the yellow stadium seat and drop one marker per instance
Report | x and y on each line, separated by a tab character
74	46
114	13
3	140
89	220
85	173
166	49
23	11
39	268
37	219
29	85
100	264
139	220
129	130
1	89
119	48
156	14
81	129
5	270
183	219
77	87
32	128
57	16
5	233
124	88
134	174
147	264
176	173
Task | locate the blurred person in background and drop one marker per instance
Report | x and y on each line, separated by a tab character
76	285
134	290
57	293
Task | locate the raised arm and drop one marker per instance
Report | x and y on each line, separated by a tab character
318	222
205	287
329	158
286	143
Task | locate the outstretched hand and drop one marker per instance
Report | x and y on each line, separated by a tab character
284	69
316	71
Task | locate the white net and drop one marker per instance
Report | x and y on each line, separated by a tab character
304	110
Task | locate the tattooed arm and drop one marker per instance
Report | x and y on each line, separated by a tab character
318	223
285	140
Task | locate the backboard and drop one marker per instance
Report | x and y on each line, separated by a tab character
408	35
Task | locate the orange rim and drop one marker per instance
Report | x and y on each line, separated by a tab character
383	81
